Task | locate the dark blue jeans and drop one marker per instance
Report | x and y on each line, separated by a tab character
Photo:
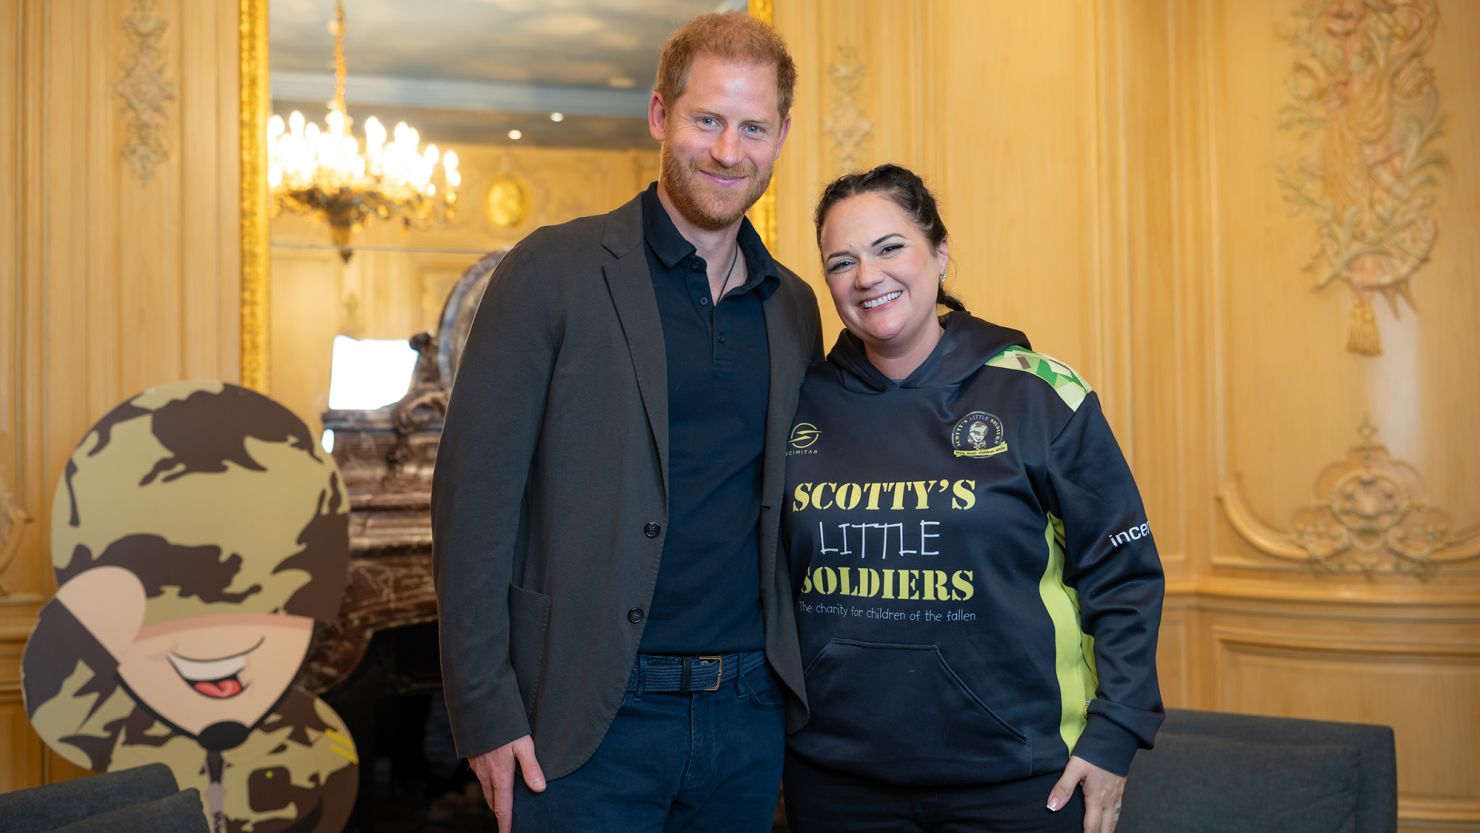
706	762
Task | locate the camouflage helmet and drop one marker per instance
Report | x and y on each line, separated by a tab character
216	497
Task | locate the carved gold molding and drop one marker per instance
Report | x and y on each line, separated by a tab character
1367	111
1369	516
849	129
144	89
763	216
763	213
12	518
253	125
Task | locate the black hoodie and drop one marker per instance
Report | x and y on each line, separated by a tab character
979	590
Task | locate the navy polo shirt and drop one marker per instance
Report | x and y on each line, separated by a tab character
707	598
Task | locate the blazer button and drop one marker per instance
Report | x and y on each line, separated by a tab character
635	616
652	529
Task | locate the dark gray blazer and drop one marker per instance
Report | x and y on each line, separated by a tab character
552	467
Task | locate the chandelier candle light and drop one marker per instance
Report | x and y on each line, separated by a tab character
322	172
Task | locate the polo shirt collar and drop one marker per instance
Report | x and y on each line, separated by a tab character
672	248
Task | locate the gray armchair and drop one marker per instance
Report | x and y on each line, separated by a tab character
1214	772
141	800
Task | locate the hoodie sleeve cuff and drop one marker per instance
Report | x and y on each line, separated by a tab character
1106	745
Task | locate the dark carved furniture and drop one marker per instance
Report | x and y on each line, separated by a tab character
386	456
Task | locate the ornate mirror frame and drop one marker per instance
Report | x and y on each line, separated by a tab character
255	102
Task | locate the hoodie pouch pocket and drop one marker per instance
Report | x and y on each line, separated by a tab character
901	713
529	633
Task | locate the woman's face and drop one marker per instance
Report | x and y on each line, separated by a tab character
883	274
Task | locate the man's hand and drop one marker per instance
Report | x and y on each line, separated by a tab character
495	771
1102	791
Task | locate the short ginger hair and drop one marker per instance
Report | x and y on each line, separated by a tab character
734	36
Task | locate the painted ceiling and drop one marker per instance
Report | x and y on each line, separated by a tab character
472	70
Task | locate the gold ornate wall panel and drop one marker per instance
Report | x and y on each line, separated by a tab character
12	301
879	41
108	283
1175	641
1423	679
1407	658
1369	515
1289	396
1364	101
21	761
252	106
847	126
1005	130
144	89
13	526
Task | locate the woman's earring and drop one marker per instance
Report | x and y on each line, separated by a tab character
943	275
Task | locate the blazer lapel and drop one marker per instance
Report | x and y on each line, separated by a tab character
631	288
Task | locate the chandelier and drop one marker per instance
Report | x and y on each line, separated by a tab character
323	172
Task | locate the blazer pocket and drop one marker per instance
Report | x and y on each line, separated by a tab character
529	631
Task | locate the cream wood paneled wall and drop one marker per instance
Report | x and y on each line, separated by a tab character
108	283
1109	175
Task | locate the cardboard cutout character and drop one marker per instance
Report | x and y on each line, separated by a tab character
198	532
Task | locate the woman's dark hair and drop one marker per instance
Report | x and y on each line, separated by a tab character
905	188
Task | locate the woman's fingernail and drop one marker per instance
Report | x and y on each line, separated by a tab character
1053	803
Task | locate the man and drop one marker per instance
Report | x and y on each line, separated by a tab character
614	623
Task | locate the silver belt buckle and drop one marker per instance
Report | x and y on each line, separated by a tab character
720	676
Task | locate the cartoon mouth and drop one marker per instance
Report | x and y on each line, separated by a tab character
881	300
214	678
222	689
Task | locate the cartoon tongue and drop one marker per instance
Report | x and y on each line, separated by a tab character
220	689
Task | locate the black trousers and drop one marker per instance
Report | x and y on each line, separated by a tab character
820	800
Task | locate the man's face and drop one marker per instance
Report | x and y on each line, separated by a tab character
216	676
720	140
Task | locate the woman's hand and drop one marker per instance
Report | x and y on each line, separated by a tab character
1102	791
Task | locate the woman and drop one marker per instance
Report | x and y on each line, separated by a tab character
979	590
